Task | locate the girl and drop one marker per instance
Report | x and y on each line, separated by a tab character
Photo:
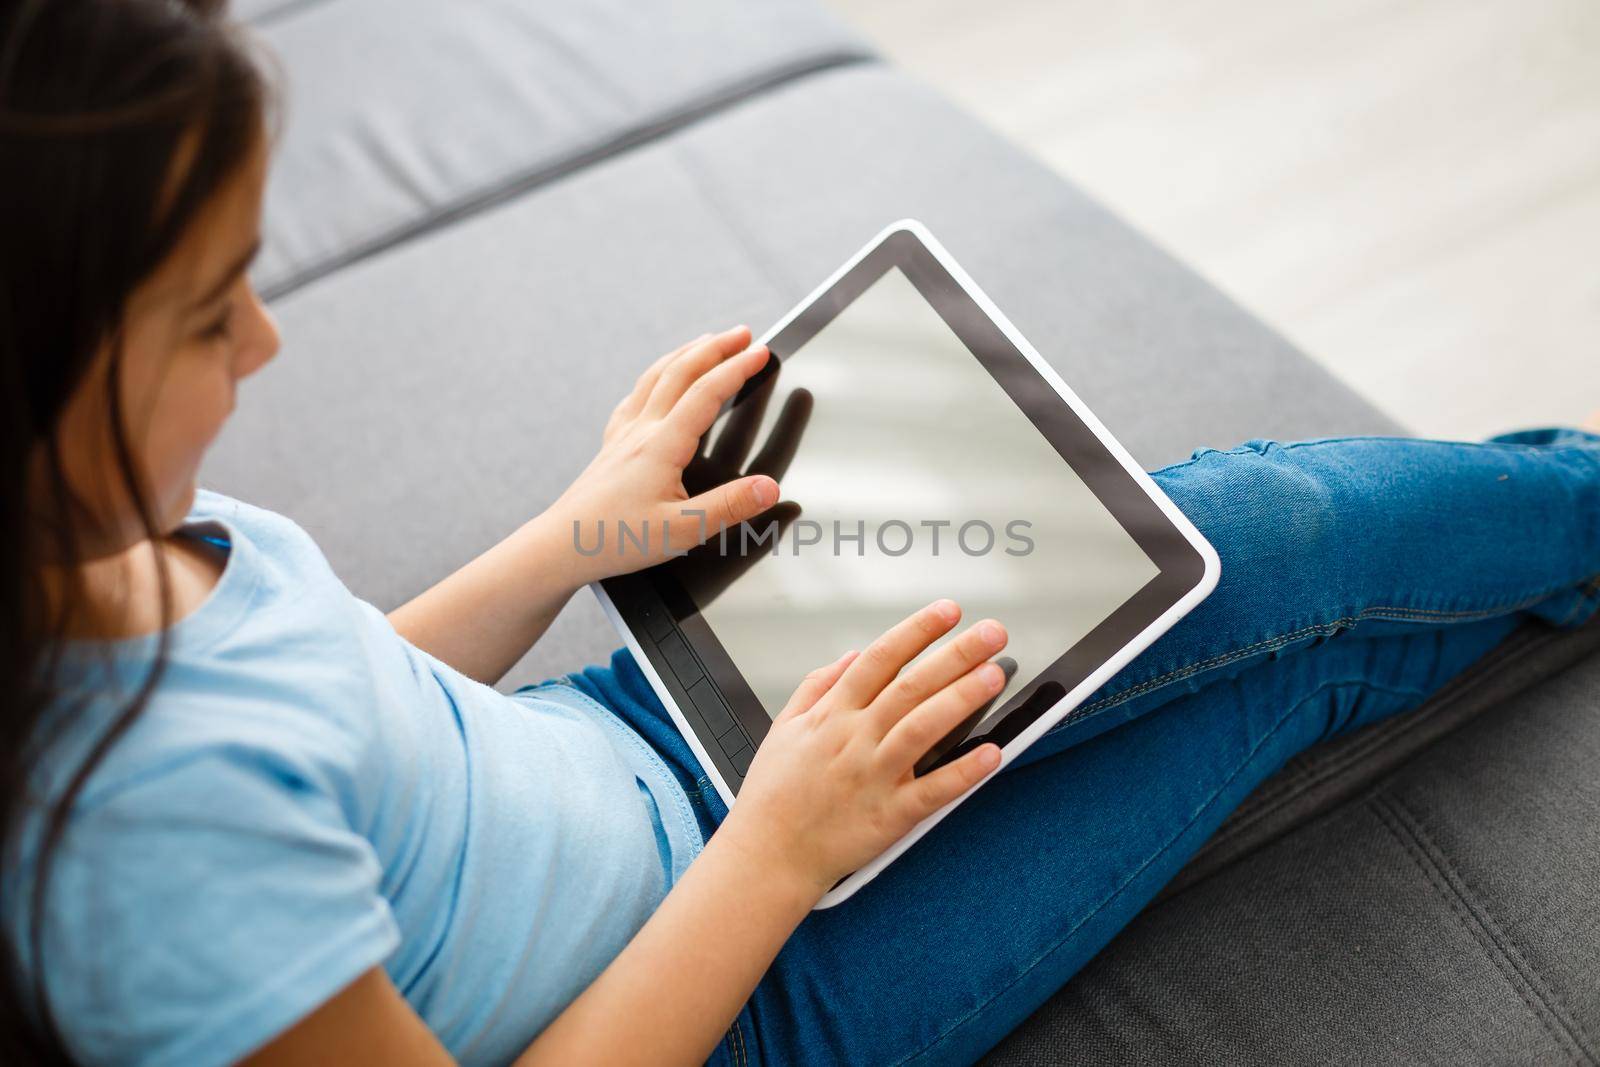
248	817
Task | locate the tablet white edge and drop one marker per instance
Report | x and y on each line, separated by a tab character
1208	580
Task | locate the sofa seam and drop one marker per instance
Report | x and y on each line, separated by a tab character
521	182
1549	994
284	11
1431	864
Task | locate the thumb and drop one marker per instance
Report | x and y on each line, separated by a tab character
730	504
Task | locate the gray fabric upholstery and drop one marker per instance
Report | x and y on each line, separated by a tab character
374	150
430	398
488	215
1444	914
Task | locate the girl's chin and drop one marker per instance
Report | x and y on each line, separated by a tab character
176	506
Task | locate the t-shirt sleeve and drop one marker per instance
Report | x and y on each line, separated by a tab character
202	908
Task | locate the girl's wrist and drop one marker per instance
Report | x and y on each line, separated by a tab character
781	872
550	544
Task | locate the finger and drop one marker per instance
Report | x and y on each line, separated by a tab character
921	681
633	403
730	504
882	660
909	739
813	686
699	406
779	449
935	755
937	788
684	371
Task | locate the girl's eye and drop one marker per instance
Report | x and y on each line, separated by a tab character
221	327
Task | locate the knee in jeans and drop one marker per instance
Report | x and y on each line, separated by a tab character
1257	506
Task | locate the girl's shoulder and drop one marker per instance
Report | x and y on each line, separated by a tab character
266	529
275	670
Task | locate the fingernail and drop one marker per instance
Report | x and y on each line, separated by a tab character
989	757
991	633
766	492
947	609
993	676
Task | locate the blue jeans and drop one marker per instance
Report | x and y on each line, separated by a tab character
1358	576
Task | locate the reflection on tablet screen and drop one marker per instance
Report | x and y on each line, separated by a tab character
915	477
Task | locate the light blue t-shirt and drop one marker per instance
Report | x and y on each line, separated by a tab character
308	796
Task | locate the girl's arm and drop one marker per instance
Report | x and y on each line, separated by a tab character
482	618
831	787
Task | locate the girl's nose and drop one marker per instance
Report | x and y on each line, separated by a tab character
260	340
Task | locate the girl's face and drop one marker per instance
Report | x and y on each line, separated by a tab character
193	330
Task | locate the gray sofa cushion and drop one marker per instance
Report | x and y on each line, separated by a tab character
403	114
1443	913
430	398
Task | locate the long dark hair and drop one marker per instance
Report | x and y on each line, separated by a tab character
119	121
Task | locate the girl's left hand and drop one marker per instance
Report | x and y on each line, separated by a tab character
637	478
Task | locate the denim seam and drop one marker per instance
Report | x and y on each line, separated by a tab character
1585	600
1429	863
1245	450
1155	855
1269	644
1265	800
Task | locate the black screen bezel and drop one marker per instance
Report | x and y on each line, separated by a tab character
1180	565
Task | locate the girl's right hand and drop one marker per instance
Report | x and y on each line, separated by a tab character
832	786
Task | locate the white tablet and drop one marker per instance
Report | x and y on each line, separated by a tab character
924	450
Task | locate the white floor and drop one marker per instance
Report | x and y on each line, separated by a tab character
1409	189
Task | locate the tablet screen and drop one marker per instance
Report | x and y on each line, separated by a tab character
914	475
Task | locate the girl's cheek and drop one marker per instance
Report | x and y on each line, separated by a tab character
210	404
190	413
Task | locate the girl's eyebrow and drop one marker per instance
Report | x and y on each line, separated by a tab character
236	268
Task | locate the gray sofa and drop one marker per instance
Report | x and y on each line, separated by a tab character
488	215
